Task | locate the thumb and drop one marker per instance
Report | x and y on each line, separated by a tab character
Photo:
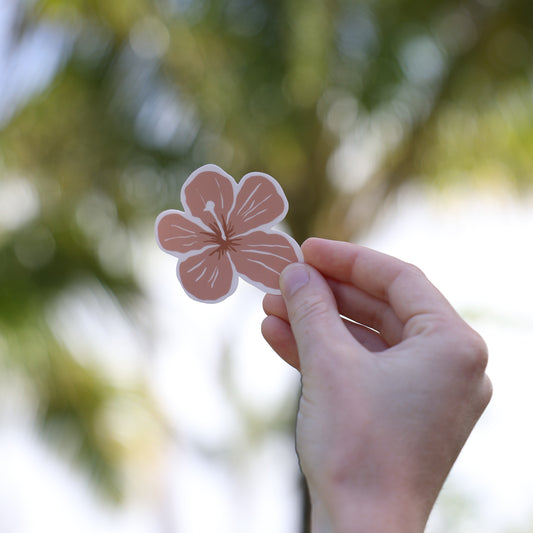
313	314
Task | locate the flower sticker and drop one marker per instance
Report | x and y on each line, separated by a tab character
226	232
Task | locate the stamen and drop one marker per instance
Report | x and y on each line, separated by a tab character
210	208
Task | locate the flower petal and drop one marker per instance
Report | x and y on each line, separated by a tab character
208	276
260	202
209	193
261	256
177	234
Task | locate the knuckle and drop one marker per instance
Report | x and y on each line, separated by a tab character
412	271
473	353
310	310
482	395
466	349
486	392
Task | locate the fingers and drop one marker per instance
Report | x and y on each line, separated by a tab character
275	305
278	333
365	309
313	315
354	304
402	286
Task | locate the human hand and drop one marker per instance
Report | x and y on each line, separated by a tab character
387	403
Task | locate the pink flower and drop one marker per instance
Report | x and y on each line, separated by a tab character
225	232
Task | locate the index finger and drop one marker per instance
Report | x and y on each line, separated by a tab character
403	286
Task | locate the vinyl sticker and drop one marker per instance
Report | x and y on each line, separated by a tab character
226	232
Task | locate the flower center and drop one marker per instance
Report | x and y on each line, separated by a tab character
223	235
210	208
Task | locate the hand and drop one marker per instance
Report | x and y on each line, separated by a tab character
390	393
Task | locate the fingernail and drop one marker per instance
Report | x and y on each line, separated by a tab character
294	277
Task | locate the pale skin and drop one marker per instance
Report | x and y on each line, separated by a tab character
390	393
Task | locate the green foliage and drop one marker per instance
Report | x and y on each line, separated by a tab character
256	84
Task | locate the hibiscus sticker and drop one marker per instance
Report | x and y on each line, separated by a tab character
226	232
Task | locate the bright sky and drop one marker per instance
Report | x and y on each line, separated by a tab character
475	248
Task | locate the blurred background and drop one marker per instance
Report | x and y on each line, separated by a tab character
405	125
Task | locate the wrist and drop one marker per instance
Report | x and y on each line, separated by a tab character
339	511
